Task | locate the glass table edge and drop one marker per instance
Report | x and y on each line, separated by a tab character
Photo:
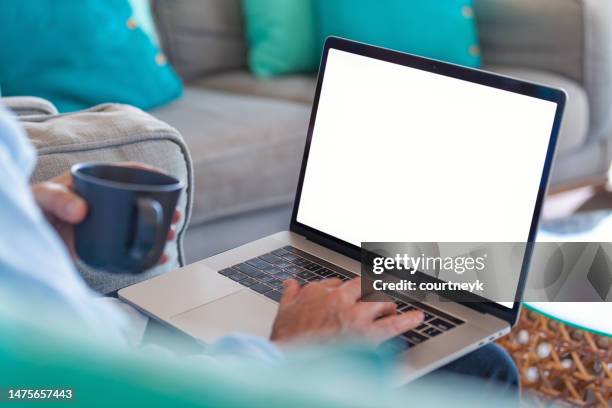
574	325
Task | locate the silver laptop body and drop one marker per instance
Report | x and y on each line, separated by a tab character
229	293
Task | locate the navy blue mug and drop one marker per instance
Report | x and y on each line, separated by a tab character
129	215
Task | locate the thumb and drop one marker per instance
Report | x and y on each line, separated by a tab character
292	288
57	199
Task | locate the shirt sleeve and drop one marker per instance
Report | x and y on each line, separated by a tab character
35	267
244	346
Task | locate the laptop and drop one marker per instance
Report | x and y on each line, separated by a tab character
399	148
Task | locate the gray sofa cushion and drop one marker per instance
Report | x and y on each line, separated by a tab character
298	88
201	36
589	163
113	133
540	34
575	126
247	150
571	38
598	68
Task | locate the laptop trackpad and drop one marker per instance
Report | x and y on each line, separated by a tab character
240	312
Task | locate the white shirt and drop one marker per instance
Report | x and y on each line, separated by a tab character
38	279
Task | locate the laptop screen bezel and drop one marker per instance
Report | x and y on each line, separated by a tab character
454	71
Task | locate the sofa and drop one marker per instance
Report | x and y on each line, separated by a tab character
246	135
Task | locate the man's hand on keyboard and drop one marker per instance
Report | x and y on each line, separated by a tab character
331	309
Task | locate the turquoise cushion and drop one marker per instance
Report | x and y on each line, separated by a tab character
141	13
440	29
80	53
281	36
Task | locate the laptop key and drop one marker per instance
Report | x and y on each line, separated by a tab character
441	324
400	304
261	288
293	269
280	252
428	316
313	267
258	263
283	264
432	332
248	270
276	284
301	262
228	271
248	282
237	277
290	257
272	270
283	276
422	327
438	313
275	275
306	275
273	259
265	278
274	295
325	272
414	337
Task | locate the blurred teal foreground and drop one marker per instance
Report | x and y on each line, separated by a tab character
35	357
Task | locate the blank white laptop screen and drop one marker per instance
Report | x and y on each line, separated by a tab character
403	155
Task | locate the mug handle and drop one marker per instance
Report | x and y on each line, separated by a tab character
148	236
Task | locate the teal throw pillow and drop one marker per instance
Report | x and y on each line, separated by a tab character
281	36
141	13
440	29
80	53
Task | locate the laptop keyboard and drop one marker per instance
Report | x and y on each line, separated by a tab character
266	273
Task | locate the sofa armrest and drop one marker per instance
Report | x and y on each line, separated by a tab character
113	133
546	35
572	38
28	105
598	66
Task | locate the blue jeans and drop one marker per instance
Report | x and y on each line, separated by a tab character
493	379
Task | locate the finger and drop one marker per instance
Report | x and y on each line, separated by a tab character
375	310
389	327
60	201
65	178
171	234
352	288
290	292
331	282
176	217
